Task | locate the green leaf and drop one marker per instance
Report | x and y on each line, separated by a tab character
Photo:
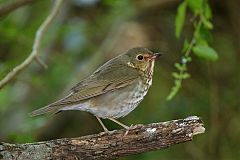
176	75
178	66
207	11
174	89
185	46
206	23
202	35
206	34
189	59
180	18
206	52
195	5
185	75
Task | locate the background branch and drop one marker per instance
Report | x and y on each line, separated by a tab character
36	45
141	138
9	7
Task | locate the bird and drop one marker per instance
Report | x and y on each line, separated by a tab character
112	91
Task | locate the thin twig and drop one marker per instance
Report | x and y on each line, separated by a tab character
109	145
41	63
36	45
9	7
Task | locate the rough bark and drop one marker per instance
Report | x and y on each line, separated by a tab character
140	138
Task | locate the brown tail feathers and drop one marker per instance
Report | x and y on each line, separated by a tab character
47	109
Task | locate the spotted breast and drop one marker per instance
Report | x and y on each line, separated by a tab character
121	102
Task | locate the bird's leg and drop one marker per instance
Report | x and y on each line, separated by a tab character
103	126
121	124
127	130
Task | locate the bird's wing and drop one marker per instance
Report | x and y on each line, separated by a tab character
107	78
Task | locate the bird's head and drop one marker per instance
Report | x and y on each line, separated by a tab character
140	58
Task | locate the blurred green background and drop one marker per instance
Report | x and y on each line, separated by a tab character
89	32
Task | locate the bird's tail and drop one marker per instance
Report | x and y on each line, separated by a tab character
43	110
51	108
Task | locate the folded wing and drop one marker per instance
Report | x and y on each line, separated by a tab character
107	78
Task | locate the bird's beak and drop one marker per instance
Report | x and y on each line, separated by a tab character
156	55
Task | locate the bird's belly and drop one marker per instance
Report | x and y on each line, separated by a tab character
118	103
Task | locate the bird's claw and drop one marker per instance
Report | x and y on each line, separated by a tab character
127	130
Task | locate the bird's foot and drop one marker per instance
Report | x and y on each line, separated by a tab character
127	129
107	132
105	129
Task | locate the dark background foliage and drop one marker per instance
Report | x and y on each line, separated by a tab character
88	33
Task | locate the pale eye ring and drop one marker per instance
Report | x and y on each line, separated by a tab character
140	57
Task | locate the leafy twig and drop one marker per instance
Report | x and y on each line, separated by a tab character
199	43
182	71
41	63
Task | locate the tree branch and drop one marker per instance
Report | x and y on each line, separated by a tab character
141	138
9	7
36	45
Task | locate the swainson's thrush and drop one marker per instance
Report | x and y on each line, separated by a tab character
113	90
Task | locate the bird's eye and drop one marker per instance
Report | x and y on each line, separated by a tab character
140	57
